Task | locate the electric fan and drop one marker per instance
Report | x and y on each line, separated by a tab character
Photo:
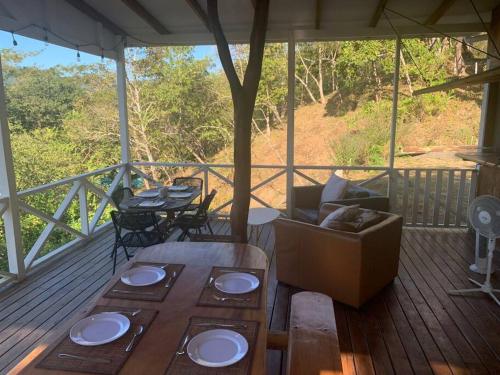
484	216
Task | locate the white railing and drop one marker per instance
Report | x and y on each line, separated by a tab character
210	174
89	222
432	197
424	197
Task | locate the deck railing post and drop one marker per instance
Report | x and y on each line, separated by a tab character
290	132
121	87
11	216
84	214
394	114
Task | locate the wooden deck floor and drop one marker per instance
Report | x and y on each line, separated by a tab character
413	326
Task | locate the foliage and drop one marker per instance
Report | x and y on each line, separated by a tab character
64	120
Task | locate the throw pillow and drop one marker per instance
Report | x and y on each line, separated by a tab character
368	218
334	189
343	214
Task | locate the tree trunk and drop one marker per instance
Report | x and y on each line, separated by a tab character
244	96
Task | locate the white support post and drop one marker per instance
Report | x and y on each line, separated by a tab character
11	217
394	115
121	86
290	130
84	214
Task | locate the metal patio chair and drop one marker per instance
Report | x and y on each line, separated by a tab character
198	220
119	195
141	230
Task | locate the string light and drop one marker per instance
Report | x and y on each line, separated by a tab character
78	53
55	36
14	41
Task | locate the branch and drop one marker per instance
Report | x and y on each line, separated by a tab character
223	47
257	44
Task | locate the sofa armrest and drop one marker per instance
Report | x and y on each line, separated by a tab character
319	259
307	196
380	254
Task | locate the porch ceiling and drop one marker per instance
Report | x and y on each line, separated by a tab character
92	24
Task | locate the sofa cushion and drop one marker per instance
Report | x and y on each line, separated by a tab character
350	194
306	215
354	221
368	218
343	215
334	189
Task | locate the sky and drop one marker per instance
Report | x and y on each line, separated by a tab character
50	55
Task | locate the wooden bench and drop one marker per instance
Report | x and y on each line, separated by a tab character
311	342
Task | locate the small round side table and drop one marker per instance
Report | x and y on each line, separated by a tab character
259	216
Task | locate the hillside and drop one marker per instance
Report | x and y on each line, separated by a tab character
433	141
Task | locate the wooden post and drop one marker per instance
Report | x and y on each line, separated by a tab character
490	114
121	86
394	116
290	129
11	217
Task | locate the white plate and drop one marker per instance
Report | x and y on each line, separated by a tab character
149	194
178	188
143	275
180	195
236	283
99	329
217	348
151	203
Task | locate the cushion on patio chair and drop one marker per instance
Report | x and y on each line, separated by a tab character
344	214
334	189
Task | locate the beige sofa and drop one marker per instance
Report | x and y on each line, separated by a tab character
306	201
349	267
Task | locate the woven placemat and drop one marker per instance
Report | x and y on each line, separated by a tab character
156	292
183	365
114	351
211	296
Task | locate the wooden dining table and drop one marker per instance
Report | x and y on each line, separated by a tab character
159	344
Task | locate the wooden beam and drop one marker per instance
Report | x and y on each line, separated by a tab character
491	75
142	12
439	12
378	13
200	12
90	12
317	18
277	340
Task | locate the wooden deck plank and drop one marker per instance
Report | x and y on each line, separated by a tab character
45	295
434	288
413	326
456	271
399	358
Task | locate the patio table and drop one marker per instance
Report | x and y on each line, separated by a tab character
158	346
170	205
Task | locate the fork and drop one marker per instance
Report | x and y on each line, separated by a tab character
81	358
130	292
210	282
170	279
182	348
131	313
224	325
236	299
235	271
